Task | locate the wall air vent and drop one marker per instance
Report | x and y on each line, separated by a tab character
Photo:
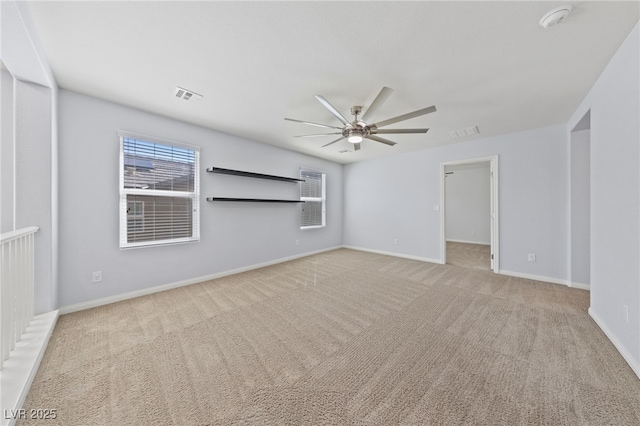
187	95
461	133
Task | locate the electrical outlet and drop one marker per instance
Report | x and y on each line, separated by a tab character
395	241
297	242
96	277
531	257
625	313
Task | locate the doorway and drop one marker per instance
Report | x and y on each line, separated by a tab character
580	244
469	213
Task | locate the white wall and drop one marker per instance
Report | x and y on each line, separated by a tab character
33	182
233	235
468	203
29	144
6	152
28	184
395	197
614	102
580	208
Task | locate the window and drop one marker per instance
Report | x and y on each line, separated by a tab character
159	192
312	192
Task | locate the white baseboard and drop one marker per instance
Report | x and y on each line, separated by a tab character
546	279
19	370
635	366
388	253
145	291
581	286
534	277
469	242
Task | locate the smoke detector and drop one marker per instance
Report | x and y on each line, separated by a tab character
187	95
555	16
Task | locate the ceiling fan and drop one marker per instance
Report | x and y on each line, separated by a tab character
358	130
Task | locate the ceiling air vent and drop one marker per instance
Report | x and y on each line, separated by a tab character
187	95
461	133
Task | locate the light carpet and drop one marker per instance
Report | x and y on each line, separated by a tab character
340	338
476	256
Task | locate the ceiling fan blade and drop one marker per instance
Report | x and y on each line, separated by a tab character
407	116
391	131
337	140
381	140
318	134
356	146
377	102
313	124
332	109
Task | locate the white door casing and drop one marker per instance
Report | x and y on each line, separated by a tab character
494	203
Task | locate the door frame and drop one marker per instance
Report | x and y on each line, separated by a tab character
494	203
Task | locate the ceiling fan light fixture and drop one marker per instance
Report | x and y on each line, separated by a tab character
358	130
355	136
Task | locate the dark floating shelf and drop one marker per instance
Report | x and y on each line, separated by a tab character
253	200
251	174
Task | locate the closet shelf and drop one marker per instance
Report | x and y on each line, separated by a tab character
251	174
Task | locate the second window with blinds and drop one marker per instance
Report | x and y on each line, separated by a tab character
313	193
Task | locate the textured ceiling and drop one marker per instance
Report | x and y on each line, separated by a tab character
480	63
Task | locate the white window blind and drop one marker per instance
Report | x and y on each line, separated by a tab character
159	192
312	192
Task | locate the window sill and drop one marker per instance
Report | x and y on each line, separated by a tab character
160	244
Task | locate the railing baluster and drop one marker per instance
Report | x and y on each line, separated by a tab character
4	276
31	277
17	262
15	276
19	300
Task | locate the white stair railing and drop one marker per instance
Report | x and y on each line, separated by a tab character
16	287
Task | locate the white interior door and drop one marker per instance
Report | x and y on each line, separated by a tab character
495	227
492	216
